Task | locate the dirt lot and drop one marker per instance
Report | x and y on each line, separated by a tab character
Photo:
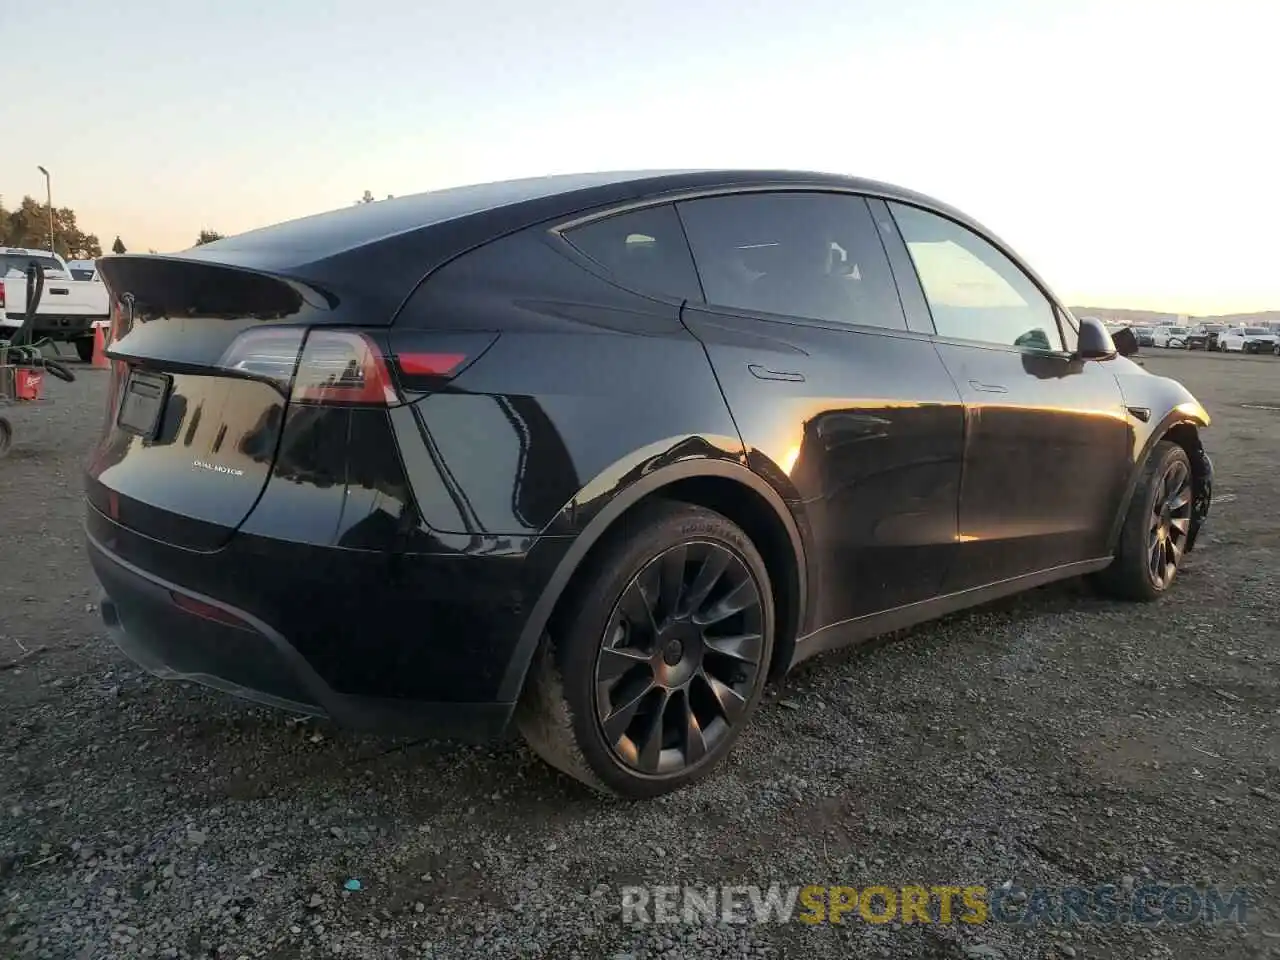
1052	740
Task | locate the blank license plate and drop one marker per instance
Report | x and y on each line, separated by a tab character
144	398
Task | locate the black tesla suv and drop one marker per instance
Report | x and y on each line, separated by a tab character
599	455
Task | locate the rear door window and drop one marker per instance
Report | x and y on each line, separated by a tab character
816	256
642	250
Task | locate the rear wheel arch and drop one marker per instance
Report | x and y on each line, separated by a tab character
726	487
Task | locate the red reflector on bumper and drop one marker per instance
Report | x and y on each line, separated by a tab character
207	611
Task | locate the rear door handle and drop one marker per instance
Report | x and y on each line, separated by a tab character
62	290
988	387
764	373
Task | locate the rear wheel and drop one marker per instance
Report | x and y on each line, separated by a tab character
6	438
84	349
1154	537
644	686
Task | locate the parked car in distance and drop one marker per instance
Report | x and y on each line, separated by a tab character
1169	337
69	308
83	269
1143	336
1204	336
581	453
1249	340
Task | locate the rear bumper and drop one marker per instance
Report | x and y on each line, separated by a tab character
240	654
60	327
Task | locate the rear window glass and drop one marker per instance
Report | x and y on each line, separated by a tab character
17	263
644	250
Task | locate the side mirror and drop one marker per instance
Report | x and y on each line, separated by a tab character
1094	342
1126	342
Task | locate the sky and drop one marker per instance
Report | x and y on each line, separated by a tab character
1127	149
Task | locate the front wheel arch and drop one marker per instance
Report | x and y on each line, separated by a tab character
1185	432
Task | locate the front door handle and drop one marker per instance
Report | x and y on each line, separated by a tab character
59	290
988	387
764	373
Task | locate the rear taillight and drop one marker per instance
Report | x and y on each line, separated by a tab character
430	364
426	360
270	354
343	367
1	294
352	367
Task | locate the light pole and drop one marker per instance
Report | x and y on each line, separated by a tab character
48	193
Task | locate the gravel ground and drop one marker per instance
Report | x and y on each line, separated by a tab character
1050	740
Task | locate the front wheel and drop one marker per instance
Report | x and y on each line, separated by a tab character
645	683
1156	529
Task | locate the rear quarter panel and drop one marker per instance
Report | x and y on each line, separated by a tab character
587	387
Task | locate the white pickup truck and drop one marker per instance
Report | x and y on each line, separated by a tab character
69	308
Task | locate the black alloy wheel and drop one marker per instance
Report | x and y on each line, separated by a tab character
1170	523
657	657
680	657
1157	528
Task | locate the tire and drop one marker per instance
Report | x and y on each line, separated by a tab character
1131	576
84	349
6	438
603	647
1276	350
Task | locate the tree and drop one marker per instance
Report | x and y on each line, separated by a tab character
118	246
208	236
28	226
